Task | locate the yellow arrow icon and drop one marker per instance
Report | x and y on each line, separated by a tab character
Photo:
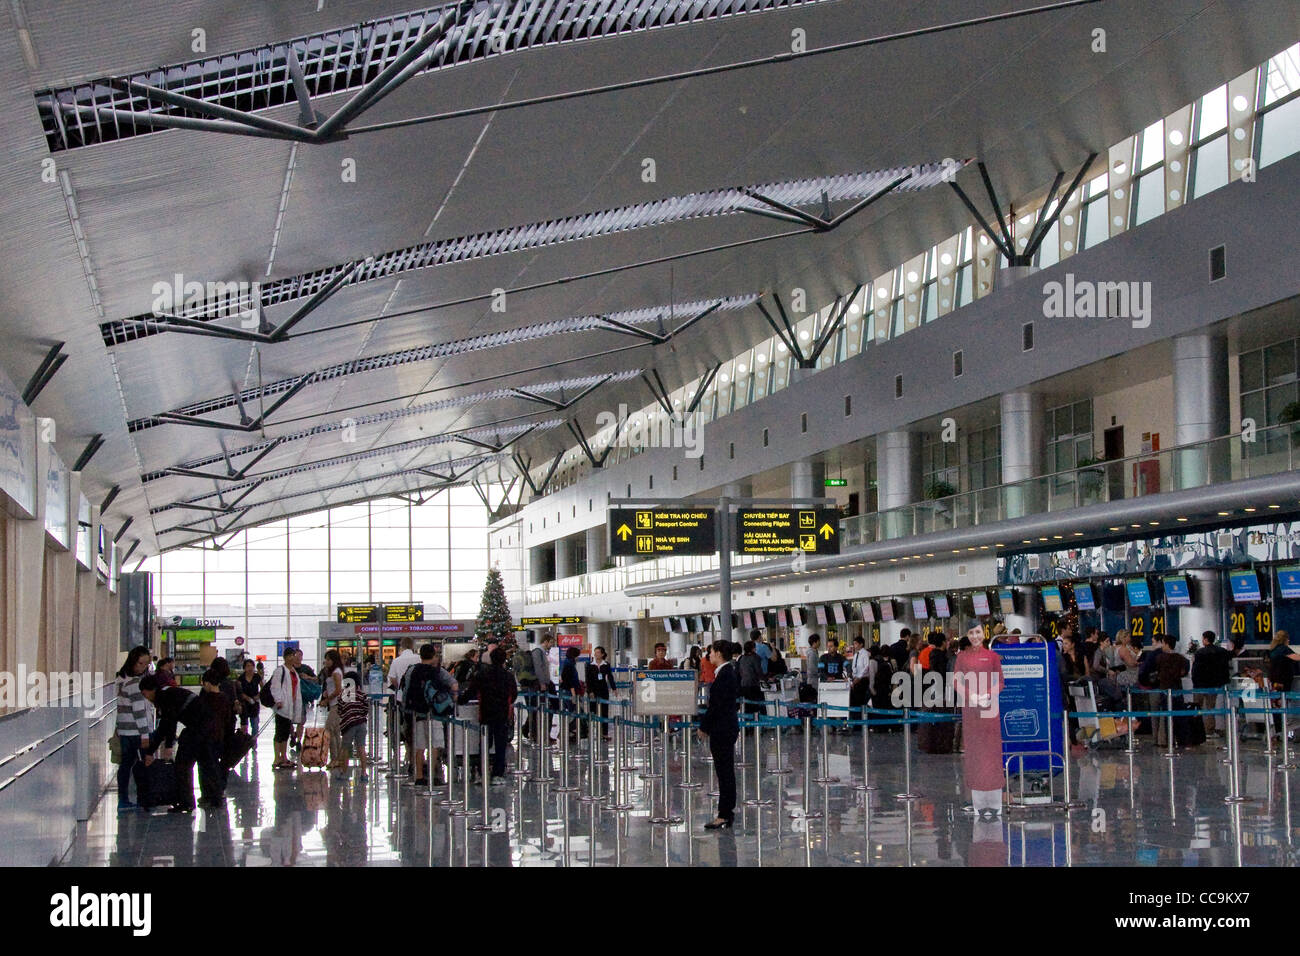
826	531
624	532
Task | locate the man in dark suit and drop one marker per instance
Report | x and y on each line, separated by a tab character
720	724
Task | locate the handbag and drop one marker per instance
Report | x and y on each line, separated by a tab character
115	748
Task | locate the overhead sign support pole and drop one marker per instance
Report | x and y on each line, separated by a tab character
724	567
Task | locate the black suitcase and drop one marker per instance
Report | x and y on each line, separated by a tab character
155	784
935	738
238	745
1189	731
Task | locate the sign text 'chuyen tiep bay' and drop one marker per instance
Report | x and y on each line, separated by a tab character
783	530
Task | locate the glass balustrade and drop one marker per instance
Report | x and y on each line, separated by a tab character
1268	451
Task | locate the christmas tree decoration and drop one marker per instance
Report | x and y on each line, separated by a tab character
493	621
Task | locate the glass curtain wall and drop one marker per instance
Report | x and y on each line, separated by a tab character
278	580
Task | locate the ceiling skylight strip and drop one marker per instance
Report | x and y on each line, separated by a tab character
719	202
342	60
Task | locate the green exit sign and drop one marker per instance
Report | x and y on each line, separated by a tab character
836	482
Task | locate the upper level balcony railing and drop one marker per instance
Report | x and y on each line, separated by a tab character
1267	451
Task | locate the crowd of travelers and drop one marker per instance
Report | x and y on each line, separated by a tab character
213	726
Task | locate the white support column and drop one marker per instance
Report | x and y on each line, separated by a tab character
1200	408
596	554
563	558
898	479
1022	451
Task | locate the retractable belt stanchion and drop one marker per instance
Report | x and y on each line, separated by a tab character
394	742
649	773
542	772
806	811
1170	752
520	709
1268	723
591	796
1229	742
866	783
688	783
429	767
826	752
1065	761
667	819
464	809
757	800
450	800
602	756
565	786
1234	771
618	797
907	793
483	825
1128	705
780	769
1286	744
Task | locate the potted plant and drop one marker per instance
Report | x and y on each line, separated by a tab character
938	488
1290	415
1091	476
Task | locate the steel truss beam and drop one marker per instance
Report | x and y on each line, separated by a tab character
246	424
787	213
416	57
94	445
525	471
50	364
786	334
499	445
1002	238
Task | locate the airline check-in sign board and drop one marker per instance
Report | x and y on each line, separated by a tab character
783	530
665	693
659	531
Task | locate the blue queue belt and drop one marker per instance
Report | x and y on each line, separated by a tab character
872	716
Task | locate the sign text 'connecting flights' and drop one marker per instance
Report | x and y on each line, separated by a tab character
776	531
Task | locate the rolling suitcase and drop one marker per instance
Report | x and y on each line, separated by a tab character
315	747
155	784
1188	731
936	737
237	747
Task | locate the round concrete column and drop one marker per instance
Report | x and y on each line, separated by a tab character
1200	409
563	558
596	554
898	479
1022	451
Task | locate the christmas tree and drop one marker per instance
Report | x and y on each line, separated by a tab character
493	619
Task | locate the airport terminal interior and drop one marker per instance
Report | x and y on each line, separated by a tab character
652	433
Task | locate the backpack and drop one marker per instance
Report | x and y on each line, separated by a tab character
524	666
884	680
308	686
437	699
265	696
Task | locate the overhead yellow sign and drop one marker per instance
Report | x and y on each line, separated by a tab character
659	531
775	531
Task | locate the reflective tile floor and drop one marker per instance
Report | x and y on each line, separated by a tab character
1143	810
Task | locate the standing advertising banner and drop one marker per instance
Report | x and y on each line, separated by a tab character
663	693
1030	696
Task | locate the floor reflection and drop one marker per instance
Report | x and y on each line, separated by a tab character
1143	809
